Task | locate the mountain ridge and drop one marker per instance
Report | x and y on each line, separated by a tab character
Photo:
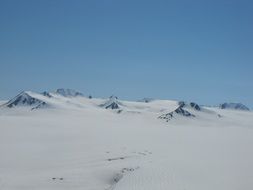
41	100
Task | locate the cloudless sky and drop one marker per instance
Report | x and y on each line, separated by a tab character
193	50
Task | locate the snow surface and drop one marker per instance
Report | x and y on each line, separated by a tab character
75	144
3	102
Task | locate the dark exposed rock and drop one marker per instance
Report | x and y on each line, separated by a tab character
47	94
119	111
68	92
235	106
43	104
57	178
183	112
112	103
112	106
146	100
181	104
195	106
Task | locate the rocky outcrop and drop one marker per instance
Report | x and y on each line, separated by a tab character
235	106
179	111
112	103
68	92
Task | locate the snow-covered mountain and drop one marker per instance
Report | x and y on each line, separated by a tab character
181	110
236	106
112	103
67	97
82	143
26	98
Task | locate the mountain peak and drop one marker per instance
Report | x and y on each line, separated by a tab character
25	98
193	105
179	111
68	92
112	103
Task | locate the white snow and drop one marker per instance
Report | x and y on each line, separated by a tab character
3	102
75	144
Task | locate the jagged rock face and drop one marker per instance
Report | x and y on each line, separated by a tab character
167	116
112	103
195	106
68	92
112	106
181	104
179	111
236	106
183	112
24	99
39	106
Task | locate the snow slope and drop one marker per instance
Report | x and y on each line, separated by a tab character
77	144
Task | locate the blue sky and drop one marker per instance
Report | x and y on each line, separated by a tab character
186	50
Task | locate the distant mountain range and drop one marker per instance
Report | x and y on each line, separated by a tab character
68	98
68	92
235	106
